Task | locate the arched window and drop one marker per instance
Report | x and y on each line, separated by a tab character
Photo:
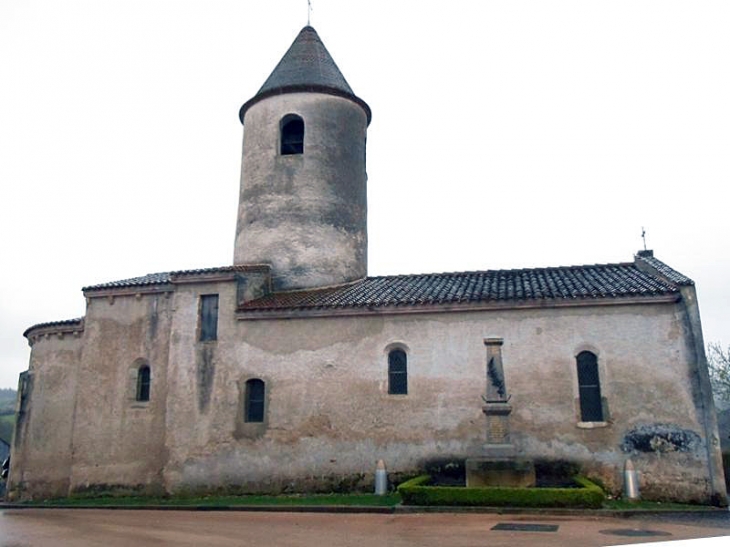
254	403
292	135
589	387
397	372
143	383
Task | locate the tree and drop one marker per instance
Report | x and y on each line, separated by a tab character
718	363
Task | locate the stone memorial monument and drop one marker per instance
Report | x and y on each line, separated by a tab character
499	466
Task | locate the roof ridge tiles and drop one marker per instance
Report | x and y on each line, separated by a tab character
507	270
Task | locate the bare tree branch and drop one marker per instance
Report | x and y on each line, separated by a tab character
718	362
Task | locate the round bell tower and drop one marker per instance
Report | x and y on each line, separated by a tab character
303	200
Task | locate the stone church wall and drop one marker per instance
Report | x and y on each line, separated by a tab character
118	442
305	215
329	416
41	465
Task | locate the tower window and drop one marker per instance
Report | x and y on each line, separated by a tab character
292	135
589	387
254	404
397	372
208	317
143	383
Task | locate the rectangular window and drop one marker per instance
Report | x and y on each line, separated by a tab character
208	317
255	399
143	383
589	388
397	372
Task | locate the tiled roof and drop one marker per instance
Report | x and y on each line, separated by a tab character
562	283
79	321
306	66
673	275
573	282
166	278
161	278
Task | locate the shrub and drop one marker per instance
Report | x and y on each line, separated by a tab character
446	471
416	492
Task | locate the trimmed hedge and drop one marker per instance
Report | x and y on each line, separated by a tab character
416	492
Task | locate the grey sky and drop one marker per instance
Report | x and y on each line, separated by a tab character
504	135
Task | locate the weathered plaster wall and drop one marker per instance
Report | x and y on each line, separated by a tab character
117	440
305	214
329	414
41	450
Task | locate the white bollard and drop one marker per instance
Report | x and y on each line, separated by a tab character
631	481
381	479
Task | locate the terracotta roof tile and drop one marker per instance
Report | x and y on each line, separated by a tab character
572	282
673	275
567	282
166	278
79	321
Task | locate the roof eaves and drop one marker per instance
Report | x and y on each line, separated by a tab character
65	325
161	278
249	313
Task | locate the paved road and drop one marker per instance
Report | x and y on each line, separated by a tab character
110	528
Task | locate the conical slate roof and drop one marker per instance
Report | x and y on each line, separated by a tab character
306	66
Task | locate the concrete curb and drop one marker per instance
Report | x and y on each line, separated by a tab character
558	511
385	510
343	509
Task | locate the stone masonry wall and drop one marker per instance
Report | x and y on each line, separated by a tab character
41	450
329	415
118	442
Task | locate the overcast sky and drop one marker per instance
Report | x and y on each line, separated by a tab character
505	134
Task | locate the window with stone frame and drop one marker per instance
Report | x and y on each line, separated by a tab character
292	135
589	387
143	383
255	399
397	372
208	329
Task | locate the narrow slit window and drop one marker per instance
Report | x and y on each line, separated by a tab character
589	388
292	135
254	404
143	383
208	317
397	372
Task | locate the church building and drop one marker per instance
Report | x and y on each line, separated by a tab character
293	370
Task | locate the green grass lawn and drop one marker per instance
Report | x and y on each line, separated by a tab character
363	500
625	505
369	500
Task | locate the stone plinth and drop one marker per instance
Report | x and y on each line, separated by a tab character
497	415
489	471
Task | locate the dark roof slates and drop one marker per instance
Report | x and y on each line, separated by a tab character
572	282
306	66
575	282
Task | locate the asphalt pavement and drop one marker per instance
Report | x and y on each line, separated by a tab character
112	528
